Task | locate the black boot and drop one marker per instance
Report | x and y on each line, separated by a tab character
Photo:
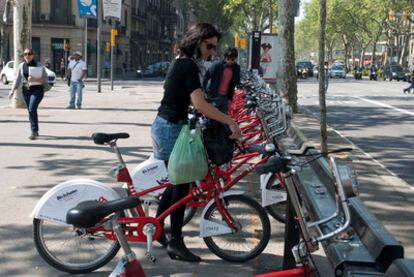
163	240
177	250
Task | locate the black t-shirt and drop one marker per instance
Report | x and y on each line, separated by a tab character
181	80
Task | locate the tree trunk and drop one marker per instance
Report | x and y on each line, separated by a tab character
22	32
322	92
374	51
287	52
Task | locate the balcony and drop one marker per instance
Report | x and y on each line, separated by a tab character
52	19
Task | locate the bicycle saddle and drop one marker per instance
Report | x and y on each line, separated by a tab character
102	138
89	213
273	165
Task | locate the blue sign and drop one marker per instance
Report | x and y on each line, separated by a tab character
87	8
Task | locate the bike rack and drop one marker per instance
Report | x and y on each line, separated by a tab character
366	248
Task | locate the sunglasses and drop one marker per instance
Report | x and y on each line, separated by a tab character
211	46
27	54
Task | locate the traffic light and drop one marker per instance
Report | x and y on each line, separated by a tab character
243	43
391	16
236	40
114	33
405	16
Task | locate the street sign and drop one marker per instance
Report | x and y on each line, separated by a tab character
87	8
112	8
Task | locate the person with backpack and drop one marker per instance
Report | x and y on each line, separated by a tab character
33	90
182	87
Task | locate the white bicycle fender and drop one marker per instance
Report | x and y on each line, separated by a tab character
264	178
270	196
212	228
56	202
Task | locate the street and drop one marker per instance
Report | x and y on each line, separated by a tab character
374	115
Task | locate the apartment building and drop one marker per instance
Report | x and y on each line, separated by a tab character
147	33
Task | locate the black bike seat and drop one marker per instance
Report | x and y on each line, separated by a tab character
102	138
89	213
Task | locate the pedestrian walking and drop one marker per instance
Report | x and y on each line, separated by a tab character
411	87
77	72
32	75
221	78
182	86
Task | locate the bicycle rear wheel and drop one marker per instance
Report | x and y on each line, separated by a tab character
71	249
252	235
278	210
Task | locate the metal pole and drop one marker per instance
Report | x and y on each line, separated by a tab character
98	47
86	41
112	67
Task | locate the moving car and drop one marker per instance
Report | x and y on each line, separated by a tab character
337	71
7	74
394	72
305	64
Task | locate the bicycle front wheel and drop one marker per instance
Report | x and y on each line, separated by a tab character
71	249
252	235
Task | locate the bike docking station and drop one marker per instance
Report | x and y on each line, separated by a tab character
354	241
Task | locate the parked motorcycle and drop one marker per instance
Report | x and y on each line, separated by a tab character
358	74
373	75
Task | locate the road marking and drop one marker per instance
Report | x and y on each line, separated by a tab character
384	105
364	153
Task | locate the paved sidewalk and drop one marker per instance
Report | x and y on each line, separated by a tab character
64	151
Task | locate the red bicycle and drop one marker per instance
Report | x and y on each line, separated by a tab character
78	226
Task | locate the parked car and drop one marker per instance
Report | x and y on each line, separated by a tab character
337	71
305	64
394	72
7	74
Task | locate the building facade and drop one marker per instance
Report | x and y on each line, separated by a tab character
147	33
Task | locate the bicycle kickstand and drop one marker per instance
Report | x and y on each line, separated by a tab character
128	265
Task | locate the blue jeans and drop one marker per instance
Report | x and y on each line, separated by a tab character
33	97
326	83
75	89
164	134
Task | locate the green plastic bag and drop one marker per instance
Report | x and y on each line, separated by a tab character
188	160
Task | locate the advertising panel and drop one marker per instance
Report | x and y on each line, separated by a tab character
112	8
269	56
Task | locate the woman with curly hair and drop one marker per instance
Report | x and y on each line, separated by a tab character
182	88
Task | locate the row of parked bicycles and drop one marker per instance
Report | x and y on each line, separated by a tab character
80	225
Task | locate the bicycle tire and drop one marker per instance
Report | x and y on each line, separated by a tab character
278	210
249	215
54	256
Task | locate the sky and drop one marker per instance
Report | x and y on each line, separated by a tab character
301	15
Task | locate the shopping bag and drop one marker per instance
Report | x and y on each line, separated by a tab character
188	160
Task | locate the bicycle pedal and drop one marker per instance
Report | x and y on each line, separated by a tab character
151	257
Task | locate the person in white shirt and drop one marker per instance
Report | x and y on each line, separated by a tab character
77	72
